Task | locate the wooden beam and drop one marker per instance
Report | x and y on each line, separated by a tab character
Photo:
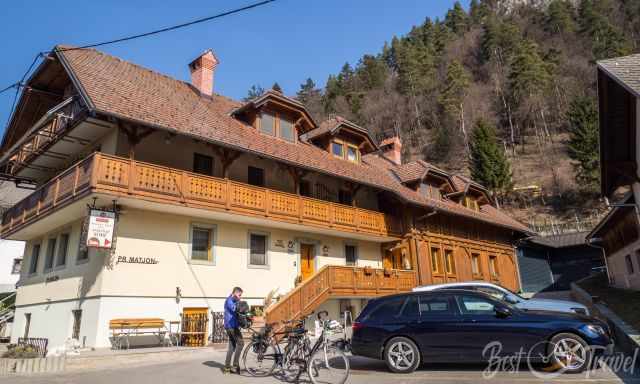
227	157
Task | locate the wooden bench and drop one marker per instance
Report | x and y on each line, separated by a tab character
123	329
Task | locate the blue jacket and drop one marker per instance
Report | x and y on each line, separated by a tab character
230	315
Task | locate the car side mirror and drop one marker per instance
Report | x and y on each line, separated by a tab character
502	312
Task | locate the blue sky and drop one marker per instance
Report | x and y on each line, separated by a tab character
286	41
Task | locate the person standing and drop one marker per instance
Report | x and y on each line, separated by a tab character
232	327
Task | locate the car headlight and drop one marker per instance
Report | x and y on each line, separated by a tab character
598	329
580	310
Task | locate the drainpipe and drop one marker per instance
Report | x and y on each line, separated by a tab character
589	243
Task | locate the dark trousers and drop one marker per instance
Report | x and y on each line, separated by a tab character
235	347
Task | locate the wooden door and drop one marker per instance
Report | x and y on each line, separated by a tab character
194	327
307	261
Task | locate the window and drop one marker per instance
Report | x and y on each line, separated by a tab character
16	267
629	262
201	243
27	324
435	192
203	164
493	266
436	266
474	305
305	188
475	264
77	320
351	254
35	255
388	309
257	249
450	262
353	154
63	250
638	258
51	251
345	197
267	124
286	130
256	176
433	306
471	203
337	149
492	292
411	307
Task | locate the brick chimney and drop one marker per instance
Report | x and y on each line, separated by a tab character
202	70
392	149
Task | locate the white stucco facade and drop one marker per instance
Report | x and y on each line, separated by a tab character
104	287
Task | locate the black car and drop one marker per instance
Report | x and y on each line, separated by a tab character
406	330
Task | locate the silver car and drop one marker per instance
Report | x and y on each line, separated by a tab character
504	294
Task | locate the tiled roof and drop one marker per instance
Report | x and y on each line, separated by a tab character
122	89
625	69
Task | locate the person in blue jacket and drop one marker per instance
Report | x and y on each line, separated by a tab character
232	327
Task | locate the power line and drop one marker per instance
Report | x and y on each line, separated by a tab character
172	28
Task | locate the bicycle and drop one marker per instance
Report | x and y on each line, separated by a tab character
324	362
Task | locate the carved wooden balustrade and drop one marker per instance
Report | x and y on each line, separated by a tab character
333	281
117	176
46	131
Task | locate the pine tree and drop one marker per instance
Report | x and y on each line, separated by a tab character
489	165
457	19
583	143
560	17
529	74
371	72
308	91
255	91
606	39
452	96
276	87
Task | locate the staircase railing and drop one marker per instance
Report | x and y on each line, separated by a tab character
339	281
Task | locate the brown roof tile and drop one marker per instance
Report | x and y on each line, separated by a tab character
126	90
625	69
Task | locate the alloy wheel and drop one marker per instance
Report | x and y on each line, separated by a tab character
401	356
570	353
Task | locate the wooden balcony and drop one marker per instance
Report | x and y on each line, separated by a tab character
47	131
334	281
119	177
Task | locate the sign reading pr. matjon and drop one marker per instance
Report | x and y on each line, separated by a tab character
100	232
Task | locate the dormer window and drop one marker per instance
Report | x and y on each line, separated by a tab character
275	124
345	150
268	124
337	149
352	153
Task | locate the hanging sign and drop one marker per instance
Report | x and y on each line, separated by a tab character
100	232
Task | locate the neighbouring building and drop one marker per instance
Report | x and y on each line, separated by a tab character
553	262
619	110
212	193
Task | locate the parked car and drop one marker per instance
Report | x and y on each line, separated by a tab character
502	293
408	329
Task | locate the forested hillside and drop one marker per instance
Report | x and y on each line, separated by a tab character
503	91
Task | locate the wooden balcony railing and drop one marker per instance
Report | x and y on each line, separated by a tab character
339	281
117	176
48	130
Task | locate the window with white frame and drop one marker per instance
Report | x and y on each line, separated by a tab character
258	248
202	242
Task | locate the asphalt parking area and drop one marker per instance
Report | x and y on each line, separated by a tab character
205	368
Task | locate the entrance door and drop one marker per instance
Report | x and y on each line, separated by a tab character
194	327
307	261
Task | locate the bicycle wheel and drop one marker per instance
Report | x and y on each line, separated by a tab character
328	366
259	358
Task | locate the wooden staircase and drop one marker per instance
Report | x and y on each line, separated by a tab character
333	281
